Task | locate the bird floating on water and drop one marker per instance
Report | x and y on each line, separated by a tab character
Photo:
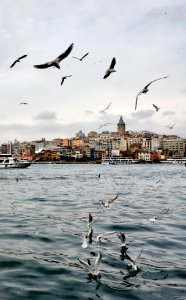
64	77
57	60
156	107
110	69
18	60
145	89
88	267
80	59
104	235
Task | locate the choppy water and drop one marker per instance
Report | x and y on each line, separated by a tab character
44	218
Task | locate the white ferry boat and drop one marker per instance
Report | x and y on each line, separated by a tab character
119	161
8	161
174	161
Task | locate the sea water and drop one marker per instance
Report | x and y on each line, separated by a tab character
44	219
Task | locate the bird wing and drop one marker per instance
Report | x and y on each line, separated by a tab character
62	80
137	258
137	100
65	54
97	264
76	57
43	66
112	199
90	218
154	81
84	56
13	64
88	268
113	62
155	106
108	105
107	73
23	56
122	237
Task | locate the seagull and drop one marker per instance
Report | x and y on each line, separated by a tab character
107	203
104	235
90	220
64	77
57	60
24	103
170	127
111	68
153	219
88	267
122	239
105	108
133	262
87	238
133	269
18	60
80	59
145	89
156	108
105	124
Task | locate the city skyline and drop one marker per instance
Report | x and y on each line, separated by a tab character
147	39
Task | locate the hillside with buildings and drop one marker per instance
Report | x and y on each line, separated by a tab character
144	146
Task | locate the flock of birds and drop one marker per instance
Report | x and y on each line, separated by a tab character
94	271
56	64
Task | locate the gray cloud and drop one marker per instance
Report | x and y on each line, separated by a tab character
168	113
46	115
142	114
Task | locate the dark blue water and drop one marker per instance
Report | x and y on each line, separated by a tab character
44	218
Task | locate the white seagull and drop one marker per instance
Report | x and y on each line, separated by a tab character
170	126
56	61
105	124
156	107
133	262
80	59
87	238
105	108
145	90
18	60
110	69
110	201
88	267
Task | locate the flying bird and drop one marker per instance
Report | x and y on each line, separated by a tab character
145	90
57	60
156	107
24	103
18	60
110	201
105	124
88	267
64	77
170	126
80	59
105	108
110	69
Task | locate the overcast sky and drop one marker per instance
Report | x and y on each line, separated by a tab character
147	38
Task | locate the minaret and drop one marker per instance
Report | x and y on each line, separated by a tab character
121	126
